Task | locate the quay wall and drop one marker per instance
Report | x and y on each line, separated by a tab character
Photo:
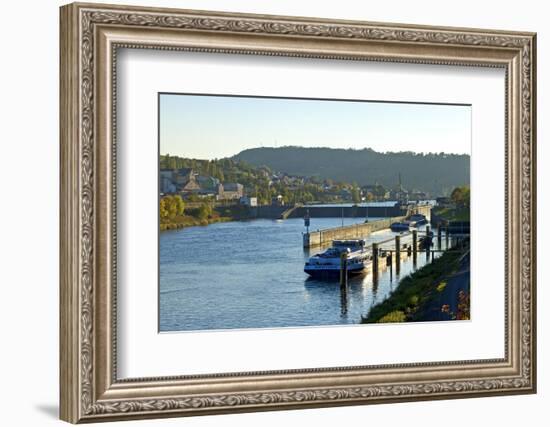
267	211
347	211
425	210
299	211
354	231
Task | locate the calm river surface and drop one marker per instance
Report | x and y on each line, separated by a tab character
249	274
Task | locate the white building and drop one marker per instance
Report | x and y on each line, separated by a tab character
249	201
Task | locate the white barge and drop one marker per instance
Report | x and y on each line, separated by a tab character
327	263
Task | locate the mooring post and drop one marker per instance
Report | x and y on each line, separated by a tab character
415	245
428	242
439	236
344	270
375	261
397	254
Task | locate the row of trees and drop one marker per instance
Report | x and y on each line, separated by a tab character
461	196
226	170
170	207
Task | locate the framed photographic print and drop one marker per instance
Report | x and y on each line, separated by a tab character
266	212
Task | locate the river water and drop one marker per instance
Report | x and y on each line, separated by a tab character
249	274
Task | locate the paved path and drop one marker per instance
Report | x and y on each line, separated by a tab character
459	281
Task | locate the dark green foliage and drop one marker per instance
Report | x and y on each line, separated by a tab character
461	196
436	173
415	289
170	207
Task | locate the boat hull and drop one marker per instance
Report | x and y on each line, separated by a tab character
319	271
328	263
398	227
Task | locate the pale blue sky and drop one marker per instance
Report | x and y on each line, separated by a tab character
208	127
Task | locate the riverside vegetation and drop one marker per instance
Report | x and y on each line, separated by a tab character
174	214
418	290
460	211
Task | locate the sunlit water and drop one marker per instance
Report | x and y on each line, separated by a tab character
250	274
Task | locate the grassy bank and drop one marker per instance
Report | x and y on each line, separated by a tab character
183	221
415	291
452	214
202	216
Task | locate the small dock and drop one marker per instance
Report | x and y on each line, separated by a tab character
386	253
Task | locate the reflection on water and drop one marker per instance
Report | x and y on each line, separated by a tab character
250	275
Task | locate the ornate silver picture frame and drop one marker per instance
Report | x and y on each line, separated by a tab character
91	34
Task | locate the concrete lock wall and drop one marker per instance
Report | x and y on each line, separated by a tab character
269	211
347	211
354	231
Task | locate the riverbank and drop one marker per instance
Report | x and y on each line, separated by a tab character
451	214
438	291
183	221
452	299
205	215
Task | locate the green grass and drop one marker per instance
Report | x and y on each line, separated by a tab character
453	214
441	286
393	317
414	290
219	214
183	221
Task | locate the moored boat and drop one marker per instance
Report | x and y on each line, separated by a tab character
328	263
418	219
400	226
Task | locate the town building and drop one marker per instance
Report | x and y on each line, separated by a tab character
249	201
230	191
208	184
183	176
399	193
178	181
166	183
375	192
419	195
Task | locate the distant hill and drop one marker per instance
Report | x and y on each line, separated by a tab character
437	174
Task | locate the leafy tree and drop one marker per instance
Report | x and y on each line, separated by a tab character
163	212
204	211
170	206
461	196
355	193
179	205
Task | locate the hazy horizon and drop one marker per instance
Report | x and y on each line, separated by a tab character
298	146
211	127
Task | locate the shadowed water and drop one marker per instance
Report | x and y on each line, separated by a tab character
249	274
